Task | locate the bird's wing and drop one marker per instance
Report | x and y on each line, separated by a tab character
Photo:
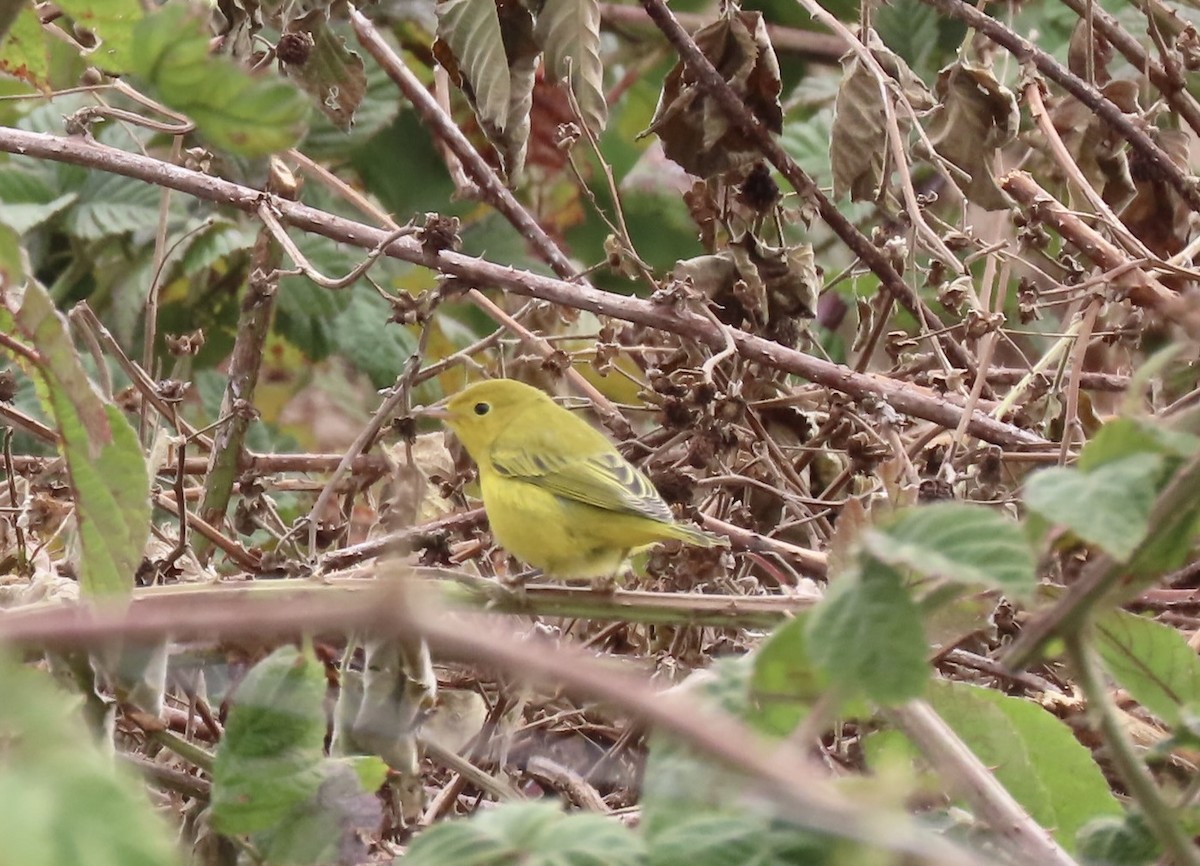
600	478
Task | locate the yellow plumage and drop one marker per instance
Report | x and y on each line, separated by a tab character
557	493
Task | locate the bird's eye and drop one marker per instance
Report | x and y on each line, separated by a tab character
482	408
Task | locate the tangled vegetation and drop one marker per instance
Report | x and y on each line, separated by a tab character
900	299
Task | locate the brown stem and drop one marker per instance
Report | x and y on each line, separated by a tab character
1143	289
237	406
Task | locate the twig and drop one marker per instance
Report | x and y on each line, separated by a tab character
443	127
781	771
986	349
627	606
11	480
498	788
160	259
83	315
895	140
244	558
1058	150
1078	356
1017	833
493	191
245	365
1103	576
30	425
813	562
1143	289
820	47
306	268
578	791
396	398
612	418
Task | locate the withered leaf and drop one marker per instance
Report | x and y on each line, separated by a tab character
1099	152
1157	215
332	74
569	32
858	146
858	139
489	50
1079	53
976	115
695	131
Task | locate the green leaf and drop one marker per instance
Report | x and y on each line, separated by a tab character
970	544
24	53
912	30
370	770
785	682
1032	753
24	182
807	141
269	763
886	748
737	837
108	474
14	264
569	33
331	827
306	314
866	633
242	113
212	245
1117	841
65	800
109	204
112	21
1125	437
532	834
28	216
1108	507
364	333
1151	661
28	200
680	781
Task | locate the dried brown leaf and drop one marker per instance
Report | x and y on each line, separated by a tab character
694	129
976	116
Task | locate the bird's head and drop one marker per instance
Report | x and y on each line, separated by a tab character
482	411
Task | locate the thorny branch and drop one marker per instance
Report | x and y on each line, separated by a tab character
903	397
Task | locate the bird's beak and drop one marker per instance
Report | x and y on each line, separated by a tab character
439	412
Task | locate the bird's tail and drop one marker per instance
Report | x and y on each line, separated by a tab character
689	534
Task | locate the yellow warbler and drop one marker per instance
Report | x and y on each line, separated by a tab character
557	493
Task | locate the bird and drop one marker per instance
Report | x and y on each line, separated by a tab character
558	494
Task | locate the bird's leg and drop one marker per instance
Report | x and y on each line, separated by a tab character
515	581
620	577
605	585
